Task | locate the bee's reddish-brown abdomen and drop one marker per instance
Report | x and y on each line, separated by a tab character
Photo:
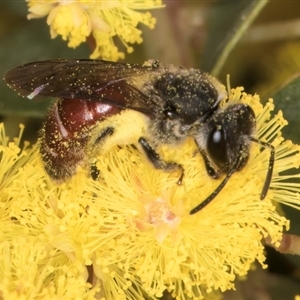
65	134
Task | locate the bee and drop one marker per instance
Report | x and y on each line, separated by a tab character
101	104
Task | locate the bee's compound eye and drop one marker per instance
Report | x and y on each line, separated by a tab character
217	147
217	137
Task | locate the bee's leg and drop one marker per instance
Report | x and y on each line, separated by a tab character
95	172
211	171
158	162
108	131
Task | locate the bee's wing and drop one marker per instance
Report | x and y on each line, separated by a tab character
93	80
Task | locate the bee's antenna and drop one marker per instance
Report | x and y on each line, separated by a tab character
218	189
270	167
234	168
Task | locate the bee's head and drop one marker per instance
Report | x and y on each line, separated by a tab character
226	136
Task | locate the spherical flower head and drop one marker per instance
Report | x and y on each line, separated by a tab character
75	21
159	245
131	228
31	267
71	22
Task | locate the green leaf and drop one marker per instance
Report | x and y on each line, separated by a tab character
287	99
227	23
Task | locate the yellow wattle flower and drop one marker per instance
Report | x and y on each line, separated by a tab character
71	22
75	21
132	228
